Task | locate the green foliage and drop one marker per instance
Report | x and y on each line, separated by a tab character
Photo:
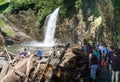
3	5
116	3
45	7
42	7
2	23
78	4
3	2
117	37
69	8
117	19
43	10
6	29
9	33
63	10
21	4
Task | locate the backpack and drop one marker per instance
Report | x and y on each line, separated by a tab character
94	60
105	51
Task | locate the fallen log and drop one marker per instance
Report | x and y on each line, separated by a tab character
78	51
36	72
42	68
29	67
11	76
63	53
9	58
48	73
2	54
15	60
4	69
18	72
5	53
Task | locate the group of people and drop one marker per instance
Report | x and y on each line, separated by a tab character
26	52
102	56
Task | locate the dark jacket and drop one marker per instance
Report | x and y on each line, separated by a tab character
115	62
109	55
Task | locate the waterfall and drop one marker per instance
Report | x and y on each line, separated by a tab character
50	29
49	40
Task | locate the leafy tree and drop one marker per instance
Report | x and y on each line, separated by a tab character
18	5
42	7
78	4
117	18
46	7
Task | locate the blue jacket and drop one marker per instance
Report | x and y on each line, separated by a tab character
39	53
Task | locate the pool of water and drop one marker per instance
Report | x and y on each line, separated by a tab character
17	49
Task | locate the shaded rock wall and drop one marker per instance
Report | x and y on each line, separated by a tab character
94	21
1	40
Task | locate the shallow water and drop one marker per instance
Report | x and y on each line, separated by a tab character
17	49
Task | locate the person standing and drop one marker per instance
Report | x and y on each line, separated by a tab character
93	64
39	53
104	52
108	59
25	52
96	53
115	63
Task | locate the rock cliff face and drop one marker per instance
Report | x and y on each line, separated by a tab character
1	40
9	34
94	21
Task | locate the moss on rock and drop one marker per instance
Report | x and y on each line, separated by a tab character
6	29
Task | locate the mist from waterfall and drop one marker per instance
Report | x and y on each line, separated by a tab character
49	40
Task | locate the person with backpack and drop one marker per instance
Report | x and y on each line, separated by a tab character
25	52
39	53
104	53
115	64
93	64
108	59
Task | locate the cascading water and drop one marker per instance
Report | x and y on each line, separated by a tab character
50	29
49	40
